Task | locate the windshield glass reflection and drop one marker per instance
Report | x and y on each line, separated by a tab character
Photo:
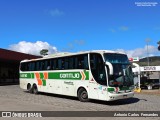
122	71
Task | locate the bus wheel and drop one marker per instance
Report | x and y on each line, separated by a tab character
83	95
35	89
29	88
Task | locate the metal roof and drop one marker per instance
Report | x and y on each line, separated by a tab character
16	56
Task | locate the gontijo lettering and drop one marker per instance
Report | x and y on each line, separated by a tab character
70	75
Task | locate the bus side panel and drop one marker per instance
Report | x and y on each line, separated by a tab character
23	83
25	79
96	91
69	87
51	86
82	84
93	85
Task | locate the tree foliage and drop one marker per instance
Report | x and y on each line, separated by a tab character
44	52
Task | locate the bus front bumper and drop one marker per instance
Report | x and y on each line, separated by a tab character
117	96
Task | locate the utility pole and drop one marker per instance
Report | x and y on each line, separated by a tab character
147	41
159	50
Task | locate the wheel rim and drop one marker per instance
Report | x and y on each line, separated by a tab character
35	90
28	87
84	95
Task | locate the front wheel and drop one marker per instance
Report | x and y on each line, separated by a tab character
83	95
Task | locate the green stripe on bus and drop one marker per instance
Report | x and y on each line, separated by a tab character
59	75
124	88
68	75
27	75
87	75
44	82
65	75
41	76
110	89
32	74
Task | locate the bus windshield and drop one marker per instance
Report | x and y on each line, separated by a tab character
122	71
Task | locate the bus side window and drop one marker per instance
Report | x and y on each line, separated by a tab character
76	63
37	66
93	62
55	66
80	62
27	66
24	66
71	63
86	62
59	64
33	66
47	65
51	64
62	64
41	65
66	64
97	68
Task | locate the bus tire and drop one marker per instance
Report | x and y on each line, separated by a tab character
35	89
29	88
83	95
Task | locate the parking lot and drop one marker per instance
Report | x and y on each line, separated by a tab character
12	98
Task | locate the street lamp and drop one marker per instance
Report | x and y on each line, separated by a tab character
147	41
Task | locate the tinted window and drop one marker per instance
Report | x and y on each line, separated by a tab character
116	58
98	68
24	66
71	63
63	63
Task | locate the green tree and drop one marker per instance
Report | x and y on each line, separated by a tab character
44	52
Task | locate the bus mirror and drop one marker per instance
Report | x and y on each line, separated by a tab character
110	68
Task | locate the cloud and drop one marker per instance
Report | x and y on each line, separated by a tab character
79	42
72	45
141	52
123	28
33	47
56	12
112	30
157	28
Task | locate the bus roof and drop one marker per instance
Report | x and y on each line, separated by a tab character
63	54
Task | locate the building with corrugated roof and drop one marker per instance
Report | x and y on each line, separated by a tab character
9	65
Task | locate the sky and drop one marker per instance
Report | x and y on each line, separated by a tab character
79	25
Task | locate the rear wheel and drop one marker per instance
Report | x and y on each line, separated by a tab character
29	88
83	95
35	89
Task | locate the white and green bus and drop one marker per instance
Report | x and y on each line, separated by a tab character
99	74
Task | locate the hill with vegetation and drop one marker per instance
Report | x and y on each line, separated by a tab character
153	61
